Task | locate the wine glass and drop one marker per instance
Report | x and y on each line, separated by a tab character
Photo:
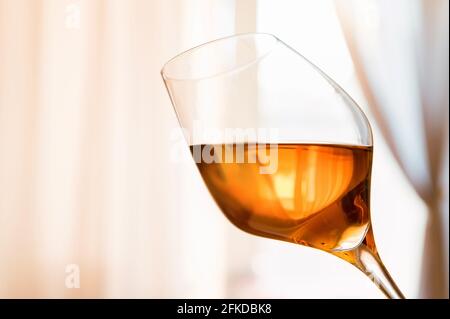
284	151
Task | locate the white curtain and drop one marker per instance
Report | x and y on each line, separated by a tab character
85	138
400	50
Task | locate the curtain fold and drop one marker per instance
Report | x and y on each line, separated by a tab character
400	50
85	138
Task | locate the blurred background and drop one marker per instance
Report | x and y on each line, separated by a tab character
85	142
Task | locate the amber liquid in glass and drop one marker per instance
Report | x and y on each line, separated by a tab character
317	196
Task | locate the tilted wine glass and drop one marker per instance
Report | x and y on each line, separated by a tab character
284	151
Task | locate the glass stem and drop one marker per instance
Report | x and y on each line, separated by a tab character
370	264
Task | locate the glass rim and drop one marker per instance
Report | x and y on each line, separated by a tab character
237	68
